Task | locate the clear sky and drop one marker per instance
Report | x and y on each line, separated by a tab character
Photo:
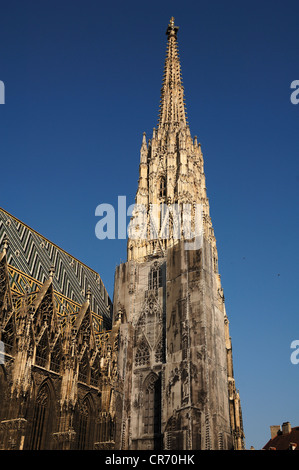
82	83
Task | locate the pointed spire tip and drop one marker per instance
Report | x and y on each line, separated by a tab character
172	30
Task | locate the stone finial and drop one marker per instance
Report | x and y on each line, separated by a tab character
51	272
171	29
5	245
144	145
88	294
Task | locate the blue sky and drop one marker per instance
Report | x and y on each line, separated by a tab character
82	83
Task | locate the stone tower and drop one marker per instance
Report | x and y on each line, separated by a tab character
175	354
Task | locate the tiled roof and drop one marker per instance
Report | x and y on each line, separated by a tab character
284	441
31	256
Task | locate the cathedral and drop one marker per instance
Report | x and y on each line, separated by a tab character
152	369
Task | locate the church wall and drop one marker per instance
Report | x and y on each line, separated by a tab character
193	397
139	300
195	370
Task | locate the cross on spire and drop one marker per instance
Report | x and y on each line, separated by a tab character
172	105
172	30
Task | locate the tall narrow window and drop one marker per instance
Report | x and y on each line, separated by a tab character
155	277
56	357
142	355
185	347
84	368
84	426
42	351
42	420
152	405
162	187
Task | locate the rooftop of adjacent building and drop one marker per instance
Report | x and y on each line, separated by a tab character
283	437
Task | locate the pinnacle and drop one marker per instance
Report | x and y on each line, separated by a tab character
172	108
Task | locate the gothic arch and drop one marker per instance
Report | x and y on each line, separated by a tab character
106	429
43	417
56	355
162	186
142	356
152	405
43	349
149	323
160	350
155	276
95	367
43	308
84	367
85	423
118	421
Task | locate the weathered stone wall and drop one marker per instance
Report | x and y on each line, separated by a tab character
173	340
195	373
139	300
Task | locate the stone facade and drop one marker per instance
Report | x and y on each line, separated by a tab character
58	378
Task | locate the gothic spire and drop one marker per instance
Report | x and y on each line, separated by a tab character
172	106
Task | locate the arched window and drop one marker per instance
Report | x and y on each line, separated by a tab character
162	187
160	352
155	277
84	368
42	351
152	405
56	356
43	419
142	355
106	427
184	347
118	422
95	371
84	425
